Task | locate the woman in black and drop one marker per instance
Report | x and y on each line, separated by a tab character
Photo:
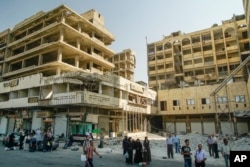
138	151
147	152
130	150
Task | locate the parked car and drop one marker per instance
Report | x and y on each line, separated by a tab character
16	139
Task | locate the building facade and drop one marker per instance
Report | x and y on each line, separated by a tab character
202	78
55	71
124	64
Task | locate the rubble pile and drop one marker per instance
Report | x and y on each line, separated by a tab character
159	148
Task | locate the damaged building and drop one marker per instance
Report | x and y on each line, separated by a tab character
202	78
56	71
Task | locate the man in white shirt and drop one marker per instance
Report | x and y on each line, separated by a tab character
200	157
215	146
170	142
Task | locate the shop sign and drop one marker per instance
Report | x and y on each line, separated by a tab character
76	118
43	114
136	88
75	114
12	116
11	83
32	99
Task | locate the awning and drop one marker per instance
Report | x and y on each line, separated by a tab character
242	113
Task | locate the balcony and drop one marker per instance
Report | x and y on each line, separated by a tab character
187	56
81	98
160	61
189	78
152	72
197	54
234	59
17	102
232	49
200	77
190	66
220	40
198	65
208	52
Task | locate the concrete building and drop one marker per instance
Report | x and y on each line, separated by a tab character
124	64
202	78
55	71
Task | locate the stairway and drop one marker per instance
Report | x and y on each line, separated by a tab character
235	71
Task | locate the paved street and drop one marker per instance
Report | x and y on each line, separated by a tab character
68	158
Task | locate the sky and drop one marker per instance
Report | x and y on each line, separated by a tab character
134	23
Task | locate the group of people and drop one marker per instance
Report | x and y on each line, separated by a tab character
30	141
136	151
212	143
200	155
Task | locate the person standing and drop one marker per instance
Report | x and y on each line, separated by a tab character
186	152
90	154
21	139
200	157
170	142
225	151
125	145
138	151
130	150
210	145
215	146
176	143
147	151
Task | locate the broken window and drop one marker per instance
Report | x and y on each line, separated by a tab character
239	99
176	103
190	101
205	101
222	99
163	105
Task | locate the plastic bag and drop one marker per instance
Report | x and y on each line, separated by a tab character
126	155
83	158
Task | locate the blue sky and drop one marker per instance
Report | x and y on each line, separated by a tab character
131	21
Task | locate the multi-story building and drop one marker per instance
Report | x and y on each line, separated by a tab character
201	78
55	72
124	64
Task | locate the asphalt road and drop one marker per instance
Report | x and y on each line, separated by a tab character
67	158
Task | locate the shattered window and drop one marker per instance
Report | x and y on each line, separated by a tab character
240	99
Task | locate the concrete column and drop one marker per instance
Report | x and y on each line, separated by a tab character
58	71
59	54
100	89
79	27
67	87
78	40
40	59
202	125
77	61
61	38
188	128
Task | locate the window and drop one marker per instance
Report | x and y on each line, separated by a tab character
163	105
176	103
205	101
239	99
190	101
222	99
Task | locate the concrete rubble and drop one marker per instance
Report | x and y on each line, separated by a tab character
159	149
